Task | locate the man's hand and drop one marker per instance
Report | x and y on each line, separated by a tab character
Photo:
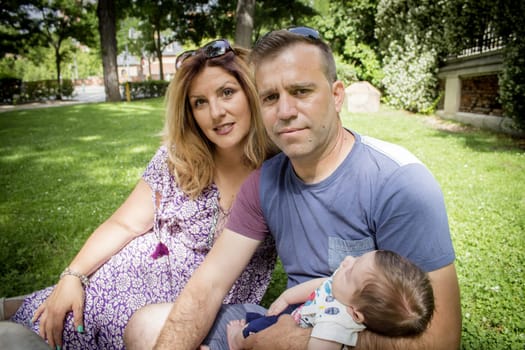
285	334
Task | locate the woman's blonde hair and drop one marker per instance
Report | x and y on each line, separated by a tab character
190	153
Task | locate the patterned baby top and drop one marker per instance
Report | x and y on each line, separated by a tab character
328	317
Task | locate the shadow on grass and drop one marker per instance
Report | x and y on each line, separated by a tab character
474	138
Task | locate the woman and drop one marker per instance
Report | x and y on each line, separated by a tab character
148	249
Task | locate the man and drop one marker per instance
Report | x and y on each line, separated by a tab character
331	193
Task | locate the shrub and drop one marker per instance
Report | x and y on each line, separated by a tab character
346	72
9	88
512	82
145	89
367	64
67	88
410	76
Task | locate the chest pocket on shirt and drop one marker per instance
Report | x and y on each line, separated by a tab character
339	248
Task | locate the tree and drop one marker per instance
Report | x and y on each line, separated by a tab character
58	21
164	21
348	25
244	27
108	45
16	27
277	14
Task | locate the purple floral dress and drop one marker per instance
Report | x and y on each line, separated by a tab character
133	278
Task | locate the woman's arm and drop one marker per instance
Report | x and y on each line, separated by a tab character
133	218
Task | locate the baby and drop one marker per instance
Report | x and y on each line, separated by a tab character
379	290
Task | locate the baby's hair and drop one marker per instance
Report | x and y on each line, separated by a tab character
398	300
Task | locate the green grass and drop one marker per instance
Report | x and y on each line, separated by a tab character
64	170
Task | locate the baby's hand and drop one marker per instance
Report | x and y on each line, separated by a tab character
278	306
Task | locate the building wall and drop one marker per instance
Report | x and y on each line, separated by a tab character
480	95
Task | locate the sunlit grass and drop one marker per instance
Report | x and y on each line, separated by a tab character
64	170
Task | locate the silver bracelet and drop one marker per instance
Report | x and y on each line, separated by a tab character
83	278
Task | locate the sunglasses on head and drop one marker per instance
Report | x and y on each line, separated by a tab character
306	32
212	49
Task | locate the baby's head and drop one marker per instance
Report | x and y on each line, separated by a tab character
386	292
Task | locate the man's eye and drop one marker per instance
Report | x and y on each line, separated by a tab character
270	98
300	92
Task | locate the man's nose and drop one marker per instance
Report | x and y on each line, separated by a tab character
286	107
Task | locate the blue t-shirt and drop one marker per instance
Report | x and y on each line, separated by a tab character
380	197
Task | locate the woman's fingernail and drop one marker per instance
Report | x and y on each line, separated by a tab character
80	329
58	347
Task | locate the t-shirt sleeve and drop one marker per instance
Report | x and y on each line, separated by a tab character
411	218
334	331
246	217
157	170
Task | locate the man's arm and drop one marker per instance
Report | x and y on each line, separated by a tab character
284	335
294	295
444	331
195	309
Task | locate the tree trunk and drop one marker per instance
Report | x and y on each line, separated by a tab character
244	27
159	55
108	44
58	60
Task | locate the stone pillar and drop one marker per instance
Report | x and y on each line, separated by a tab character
452	94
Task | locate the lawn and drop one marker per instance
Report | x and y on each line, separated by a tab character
66	169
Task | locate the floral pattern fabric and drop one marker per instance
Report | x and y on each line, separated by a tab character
132	278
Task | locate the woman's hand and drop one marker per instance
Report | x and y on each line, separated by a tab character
68	295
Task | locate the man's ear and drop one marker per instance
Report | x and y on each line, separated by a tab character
356	315
338	91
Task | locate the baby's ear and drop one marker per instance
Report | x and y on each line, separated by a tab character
356	315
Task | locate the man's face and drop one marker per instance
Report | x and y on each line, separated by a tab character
299	105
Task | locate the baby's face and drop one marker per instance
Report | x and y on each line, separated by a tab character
351	275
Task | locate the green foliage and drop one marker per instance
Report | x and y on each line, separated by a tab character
512	82
346	72
54	24
466	22
41	90
510	24
17	27
145	89
366	62
410	76
9	87
411	46
277	14
349	28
